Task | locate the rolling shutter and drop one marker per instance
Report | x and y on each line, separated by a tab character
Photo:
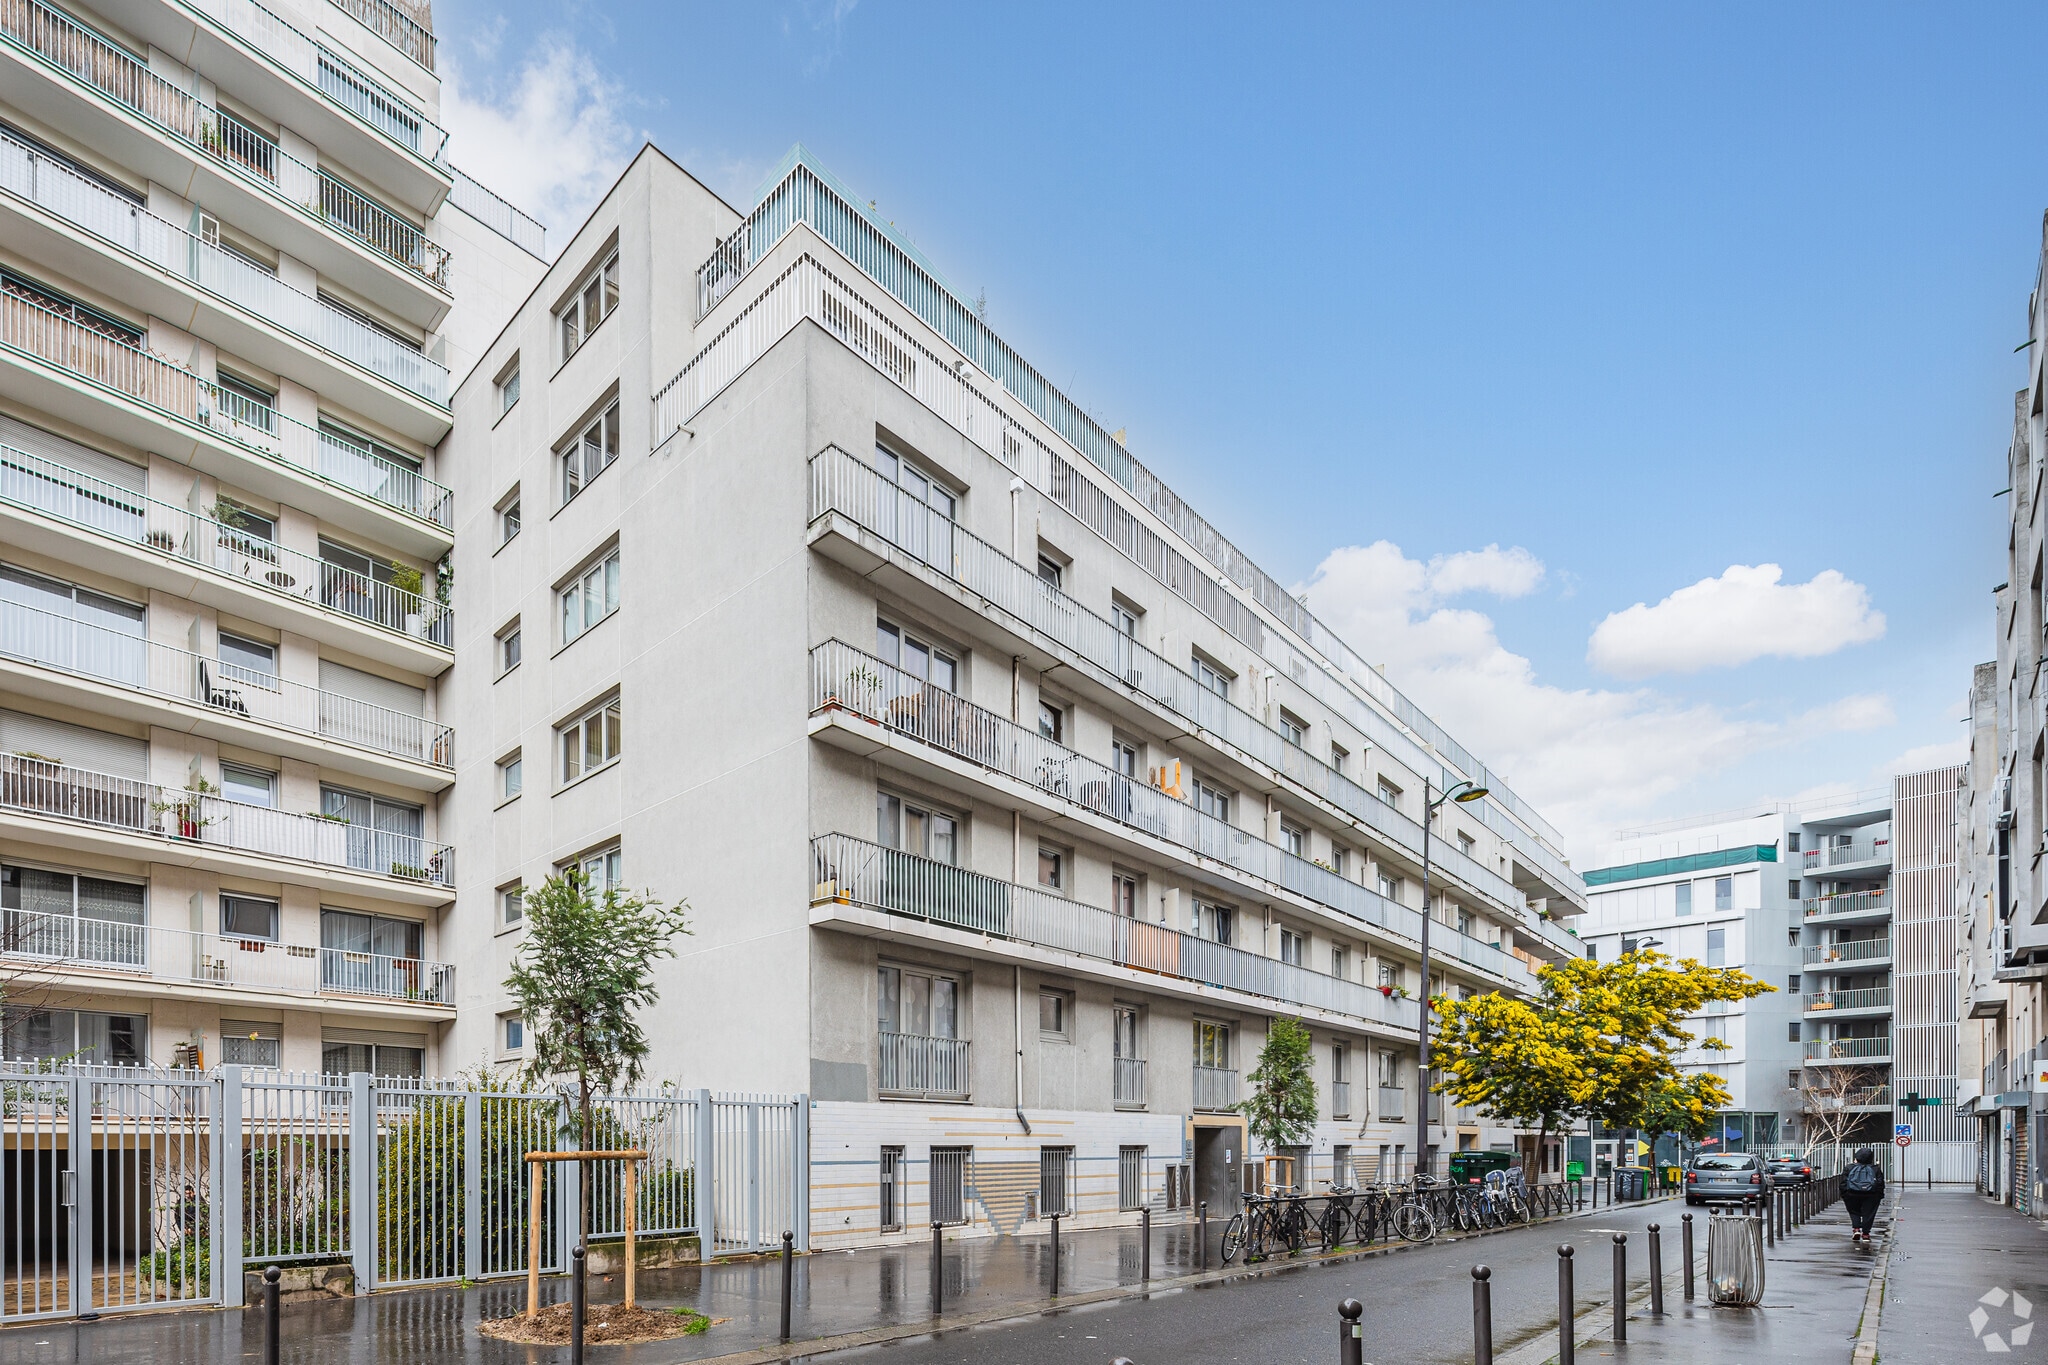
84	459
368	687
74	746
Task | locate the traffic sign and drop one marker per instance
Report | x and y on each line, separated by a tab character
1904	1139
1903	1132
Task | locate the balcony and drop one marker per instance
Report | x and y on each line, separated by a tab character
1215	1089
285	187
175	817
1393	1104
141	955
1849	906
1340	1099
397	25
1849	854
1867	1000
1130	1083
1994	1075
96	654
263	299
1858	954
190	541
1821	1051
919	1067
846	680
853	871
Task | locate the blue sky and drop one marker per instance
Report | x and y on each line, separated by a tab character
1631	294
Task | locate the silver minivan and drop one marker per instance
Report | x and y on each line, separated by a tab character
1724	1176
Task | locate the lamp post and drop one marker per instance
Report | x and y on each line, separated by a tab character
1461	793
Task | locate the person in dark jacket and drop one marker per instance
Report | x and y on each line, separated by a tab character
1862	1192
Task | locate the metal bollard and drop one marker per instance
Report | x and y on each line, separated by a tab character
1621	1286
271	1275
1567	1307
1770	1216
1055	1255
1930	1177
1145	1244
1350	1333
938	1268
1202	1231
579	1297
788	1258
1656	1271
1685	1240
1482	1316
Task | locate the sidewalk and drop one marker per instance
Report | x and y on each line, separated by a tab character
1950	1248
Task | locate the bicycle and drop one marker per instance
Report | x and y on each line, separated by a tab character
1413	1220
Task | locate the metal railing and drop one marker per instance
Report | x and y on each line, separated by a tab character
35	786
1994	1075
1393	1103
1340	1099
1855	851
1847	1049
921	1066
124	224
856	872
1215	1088
846	678
1848	903
94	356
86	650
394	26
106	509
90	59
495	213
1869	997
156	953
1855	950
1129	1083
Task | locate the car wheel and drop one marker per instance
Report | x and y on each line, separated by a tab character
1690	1201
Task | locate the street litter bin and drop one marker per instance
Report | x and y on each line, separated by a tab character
1671	1181
1735	1259
1574	1170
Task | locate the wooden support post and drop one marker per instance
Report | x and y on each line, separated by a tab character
631	1168
534	1160
536	1178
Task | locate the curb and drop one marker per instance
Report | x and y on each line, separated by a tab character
1865	1350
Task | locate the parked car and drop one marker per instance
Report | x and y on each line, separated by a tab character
1789	1168
1724	1176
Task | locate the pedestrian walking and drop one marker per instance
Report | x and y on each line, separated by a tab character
1862	1191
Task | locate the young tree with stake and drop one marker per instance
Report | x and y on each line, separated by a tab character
1281	1109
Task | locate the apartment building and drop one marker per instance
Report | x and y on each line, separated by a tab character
1832	904
239	283
1011	801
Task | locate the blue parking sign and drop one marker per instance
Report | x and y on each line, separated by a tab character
1902	1130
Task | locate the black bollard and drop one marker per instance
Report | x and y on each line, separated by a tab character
788	1257
1770	1213
1685	1245
1202	1231
271	1275
1350	1333
1145	1244
1656	1271
1482	1316
1930	1176
579	1290
1567	1307
1055	1255
938	1268
1621	1286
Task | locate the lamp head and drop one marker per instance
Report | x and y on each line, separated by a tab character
1471	793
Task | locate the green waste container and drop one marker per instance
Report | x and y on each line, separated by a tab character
1471	1168
1574	1170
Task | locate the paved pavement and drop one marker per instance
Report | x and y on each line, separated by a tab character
1949	1250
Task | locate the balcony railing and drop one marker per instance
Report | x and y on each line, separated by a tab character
1866	998
91	651
149	953
97	358
122	223
395	26
1855	851
497	214
1994	1075
1393	1103
842	484
915	1065
116	513
1848	903
35	786
1215	1089
1340	1099
1130	1082
846	678
94	62
1848	1049
856	872
1856	950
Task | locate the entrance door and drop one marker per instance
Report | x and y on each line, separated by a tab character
1219	1156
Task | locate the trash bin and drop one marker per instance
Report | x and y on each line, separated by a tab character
1574	1170
1735	1260
1671	1181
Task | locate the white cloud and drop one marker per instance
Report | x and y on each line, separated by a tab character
1744	614
1921	757
1504	573
550	136
1587	758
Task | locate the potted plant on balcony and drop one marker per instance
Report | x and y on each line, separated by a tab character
187	808
858	690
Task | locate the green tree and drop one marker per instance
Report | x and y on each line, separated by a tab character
1281	1109
584	970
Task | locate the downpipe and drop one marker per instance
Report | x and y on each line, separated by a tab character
1017	1023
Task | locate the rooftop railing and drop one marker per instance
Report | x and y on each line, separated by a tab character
395	26
93	61
143	953
121	222
35	786
97	358
86	650
497	214
1848	903
116	513
844	677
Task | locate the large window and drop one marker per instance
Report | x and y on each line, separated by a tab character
602	869
915	827
379	1059
383	835
590	451
1218	923
594	301
63	915
1210	677
34	1035
1717	947
249	786
56	623
919	1003
250	663
590	741
248	917
920	658
1212	1044
592	596
1212	801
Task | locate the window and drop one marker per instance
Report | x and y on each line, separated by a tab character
915	827
64	307
1714	1031
595	298
1684	892
508	387
1464	920
1212	1044
1123	758
1055	1180
1291	946
248	662
921	659
511	776
512	903
1389	1068
592	597
920	1004
361	456
601	869
590	452
362	949
1052	867
892	1189
508	649
1052	1015
1210	801
1792	1077
244	531
1792	842
1340	757
1050	571
379	1059
61	914
1390	887
1390	794
512	1032
1717	947
1124	619
248	917
590	741
1792	1032
1724	893
1130	1177
74	1035
1389	974
508	519
1294	839
250	786
1592	952
1340	861
1792	984
1340	962
1293	729
248	1043
1217	923
1628	945
1465	843
916	487
1123	895
243	402
1052	722
1210	677
1124	1032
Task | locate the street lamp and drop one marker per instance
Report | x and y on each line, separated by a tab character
1461	793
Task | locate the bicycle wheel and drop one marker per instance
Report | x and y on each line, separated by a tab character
1233	1238
1413	1223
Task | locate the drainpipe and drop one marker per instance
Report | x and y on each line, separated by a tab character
1017	1022
1016	488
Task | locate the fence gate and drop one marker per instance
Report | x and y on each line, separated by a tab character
759	1147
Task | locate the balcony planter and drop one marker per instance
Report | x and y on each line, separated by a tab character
409	872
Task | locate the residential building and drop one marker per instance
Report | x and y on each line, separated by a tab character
1011	801
239	282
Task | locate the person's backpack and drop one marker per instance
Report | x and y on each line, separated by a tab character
1861	1179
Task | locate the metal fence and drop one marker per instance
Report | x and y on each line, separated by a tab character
132	1187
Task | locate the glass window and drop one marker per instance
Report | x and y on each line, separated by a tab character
912	481
1724	893
591	598
603	870
593	302
508	390
250	786
1339	757
1052	1013
514	1031
1215	922
512	903
511	777
1211	678
1291	946
1210	801
917	828
29	1034
916	1003
1212	1044
248	917
1390	887
1717	947
590	741
1050	571
241	401
921	659
1123	895
508	521
590	452
509	650
1684	893
379	1059
1294	839
248	1043
1052	722
1390	794
1052	868
1293	729
250	662
1124	1032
